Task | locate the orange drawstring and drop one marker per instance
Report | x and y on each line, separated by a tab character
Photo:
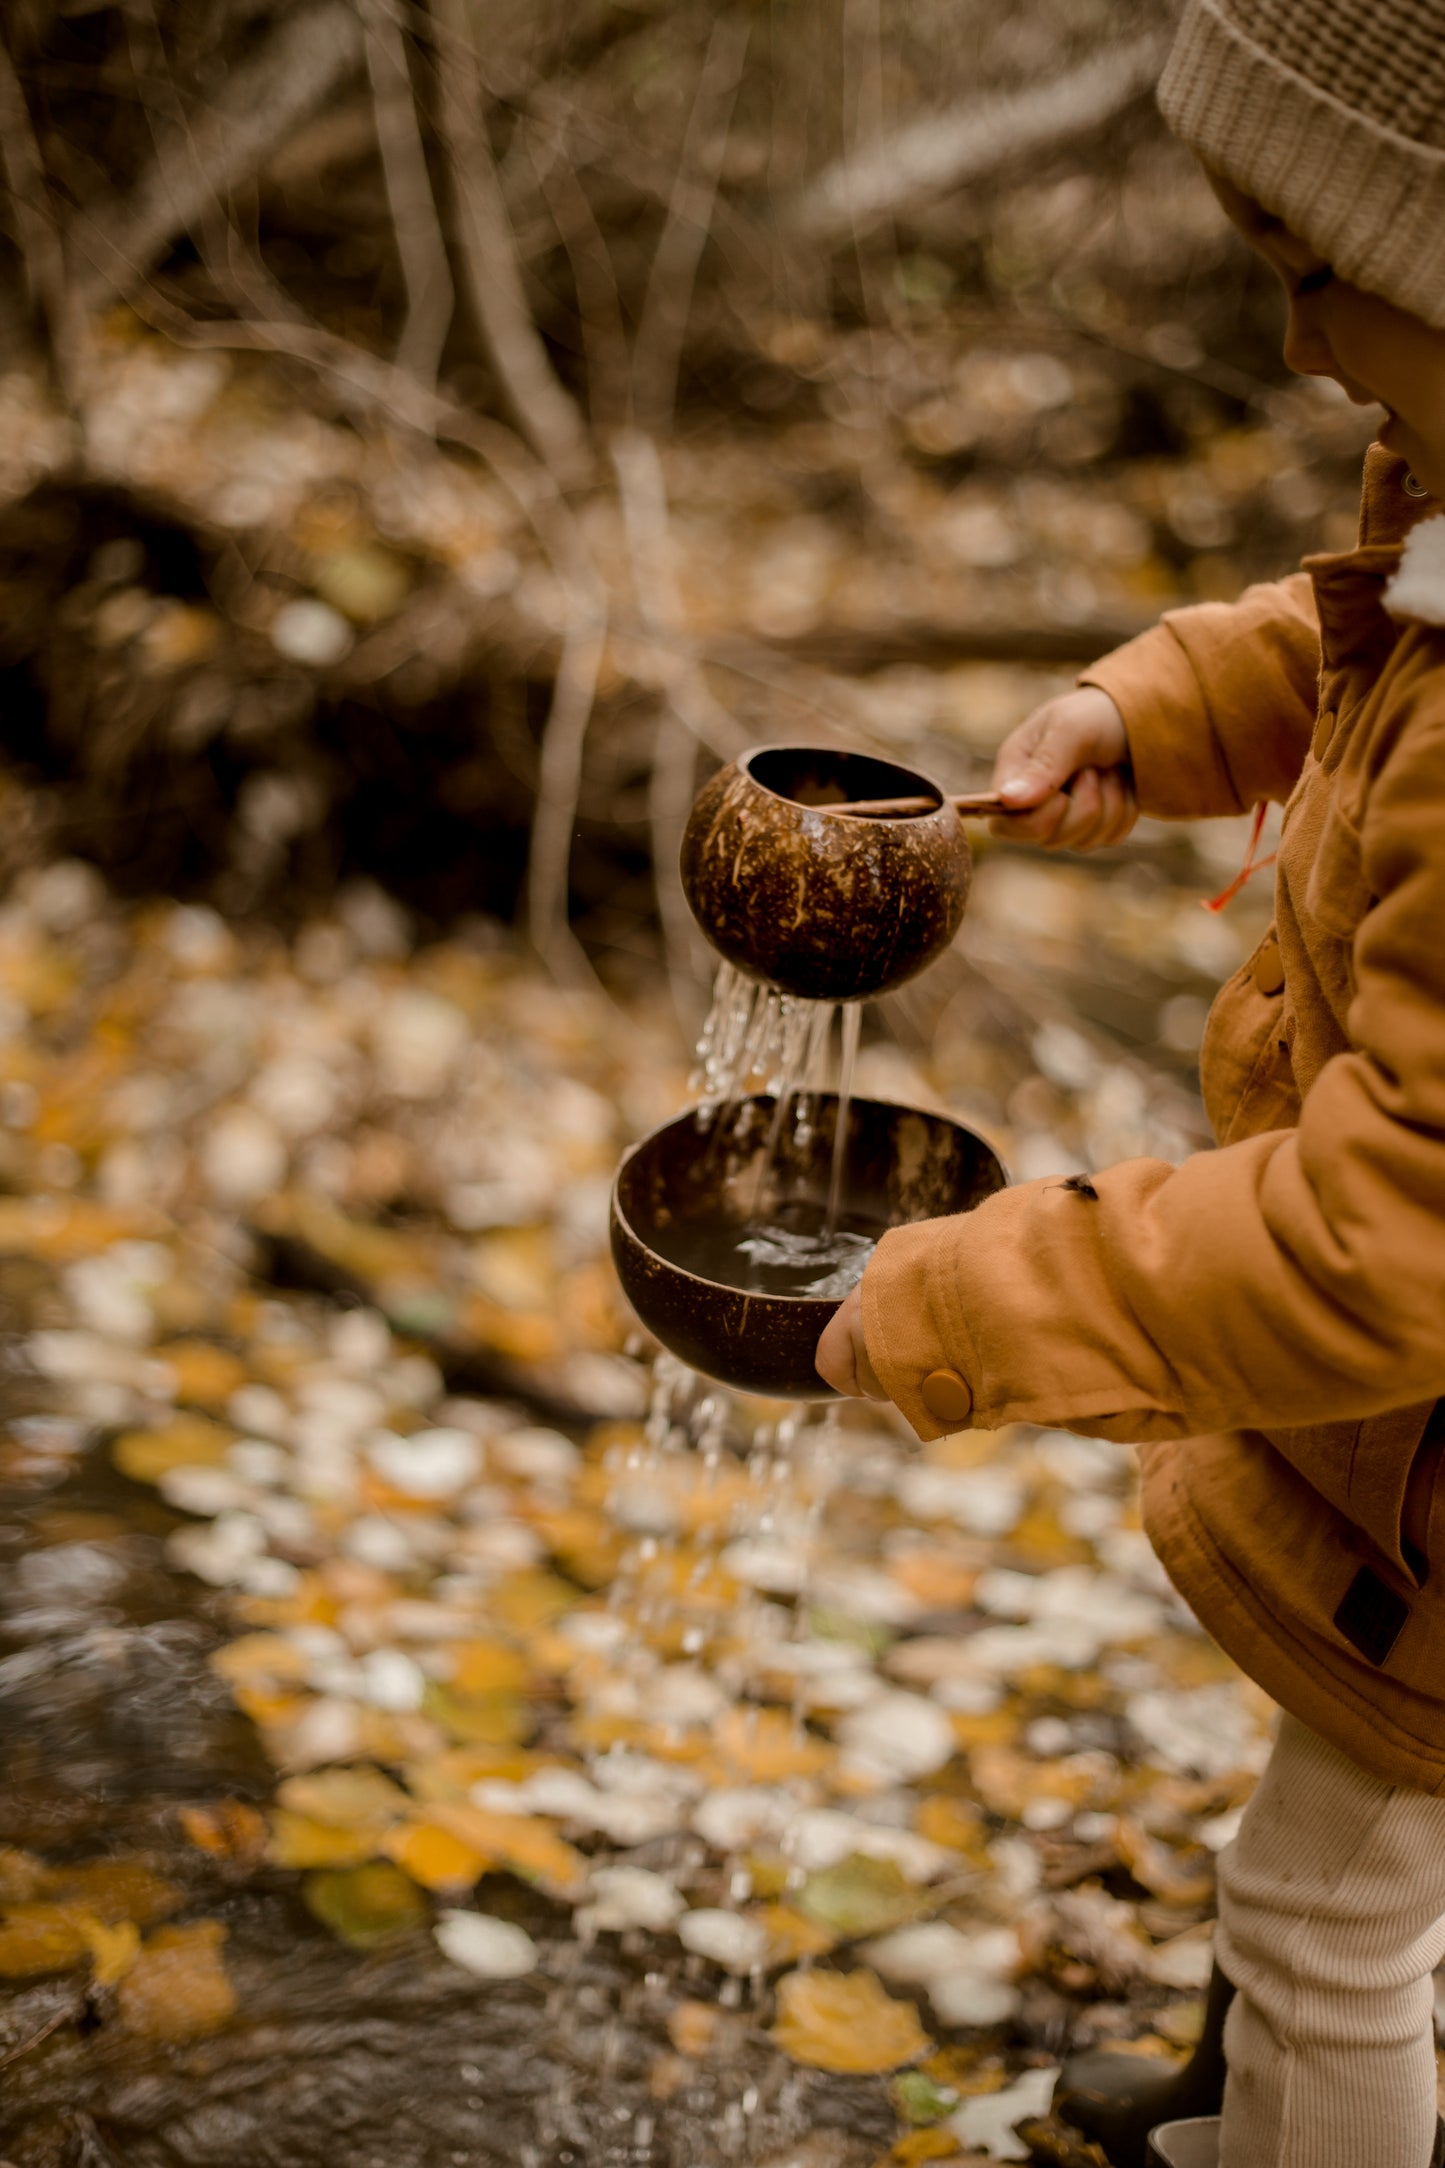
1248	870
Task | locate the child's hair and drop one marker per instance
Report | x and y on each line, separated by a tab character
1331	114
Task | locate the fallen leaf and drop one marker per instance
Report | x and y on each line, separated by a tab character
860	1896
692	2027
766	1745
22	1875
298	1841
529	1847
118	1889
791	1935
229	1830
922	2145
365	1906
177	1988
434	1857
350	1798
113	1950
490	1949
205	1375
189	1442
846	2023
36	1938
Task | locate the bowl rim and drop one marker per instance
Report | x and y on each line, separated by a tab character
743	762
742	1293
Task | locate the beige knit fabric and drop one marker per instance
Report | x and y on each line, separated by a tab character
1331	113
1330	1924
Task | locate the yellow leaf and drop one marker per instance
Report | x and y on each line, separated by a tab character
191	1441
529	1847
935	1578
297	1841
952	1822
791	1935
922	2145
351	1798
845	2022
117	1889
205	1375
487	1667
229	1830
452	1774
692	2027
260	1658
37	1938
432	1856
113	1950
22	1875
177	1988
767	1745
479	1719
531	1599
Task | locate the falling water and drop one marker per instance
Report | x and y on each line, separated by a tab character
757	1038
852	1020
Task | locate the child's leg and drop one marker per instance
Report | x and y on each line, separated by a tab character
1330	1904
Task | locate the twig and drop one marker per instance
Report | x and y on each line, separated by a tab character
673	667
298	65
545	412
36	231
663	323
599	304
943	151
559	787
430	294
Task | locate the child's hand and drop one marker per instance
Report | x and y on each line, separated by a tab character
1067	769
842	1356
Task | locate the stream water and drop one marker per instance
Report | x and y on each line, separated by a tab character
115	1726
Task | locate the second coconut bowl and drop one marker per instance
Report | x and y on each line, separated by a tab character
684	1189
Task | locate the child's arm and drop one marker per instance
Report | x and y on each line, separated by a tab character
1292	1278
1219	701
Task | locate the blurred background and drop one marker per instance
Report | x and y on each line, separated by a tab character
432	437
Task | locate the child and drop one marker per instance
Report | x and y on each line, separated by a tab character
1267	1320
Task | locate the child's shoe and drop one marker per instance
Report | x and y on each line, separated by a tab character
1193	2144
1118	2099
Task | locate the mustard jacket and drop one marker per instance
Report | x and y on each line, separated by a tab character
1267	1320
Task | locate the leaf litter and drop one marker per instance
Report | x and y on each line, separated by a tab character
898	1750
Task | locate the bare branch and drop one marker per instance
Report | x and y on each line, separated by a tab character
663	325
36	230
946	150
299	64
430	295
544	410
559	787
669	659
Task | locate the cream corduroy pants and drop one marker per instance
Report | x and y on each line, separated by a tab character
1330	1924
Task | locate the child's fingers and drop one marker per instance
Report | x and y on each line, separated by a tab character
1041	824
835	1359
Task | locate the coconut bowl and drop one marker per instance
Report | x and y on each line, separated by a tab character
829	905
685	1192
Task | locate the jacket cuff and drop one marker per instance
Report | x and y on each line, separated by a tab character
1178	772
920	1348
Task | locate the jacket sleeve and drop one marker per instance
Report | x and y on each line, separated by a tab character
1219	701
1292	1278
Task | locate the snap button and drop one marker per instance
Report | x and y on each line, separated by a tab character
1414	488
1268	967
946	1396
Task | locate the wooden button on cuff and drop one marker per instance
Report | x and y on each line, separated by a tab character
946	1396
1268	968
